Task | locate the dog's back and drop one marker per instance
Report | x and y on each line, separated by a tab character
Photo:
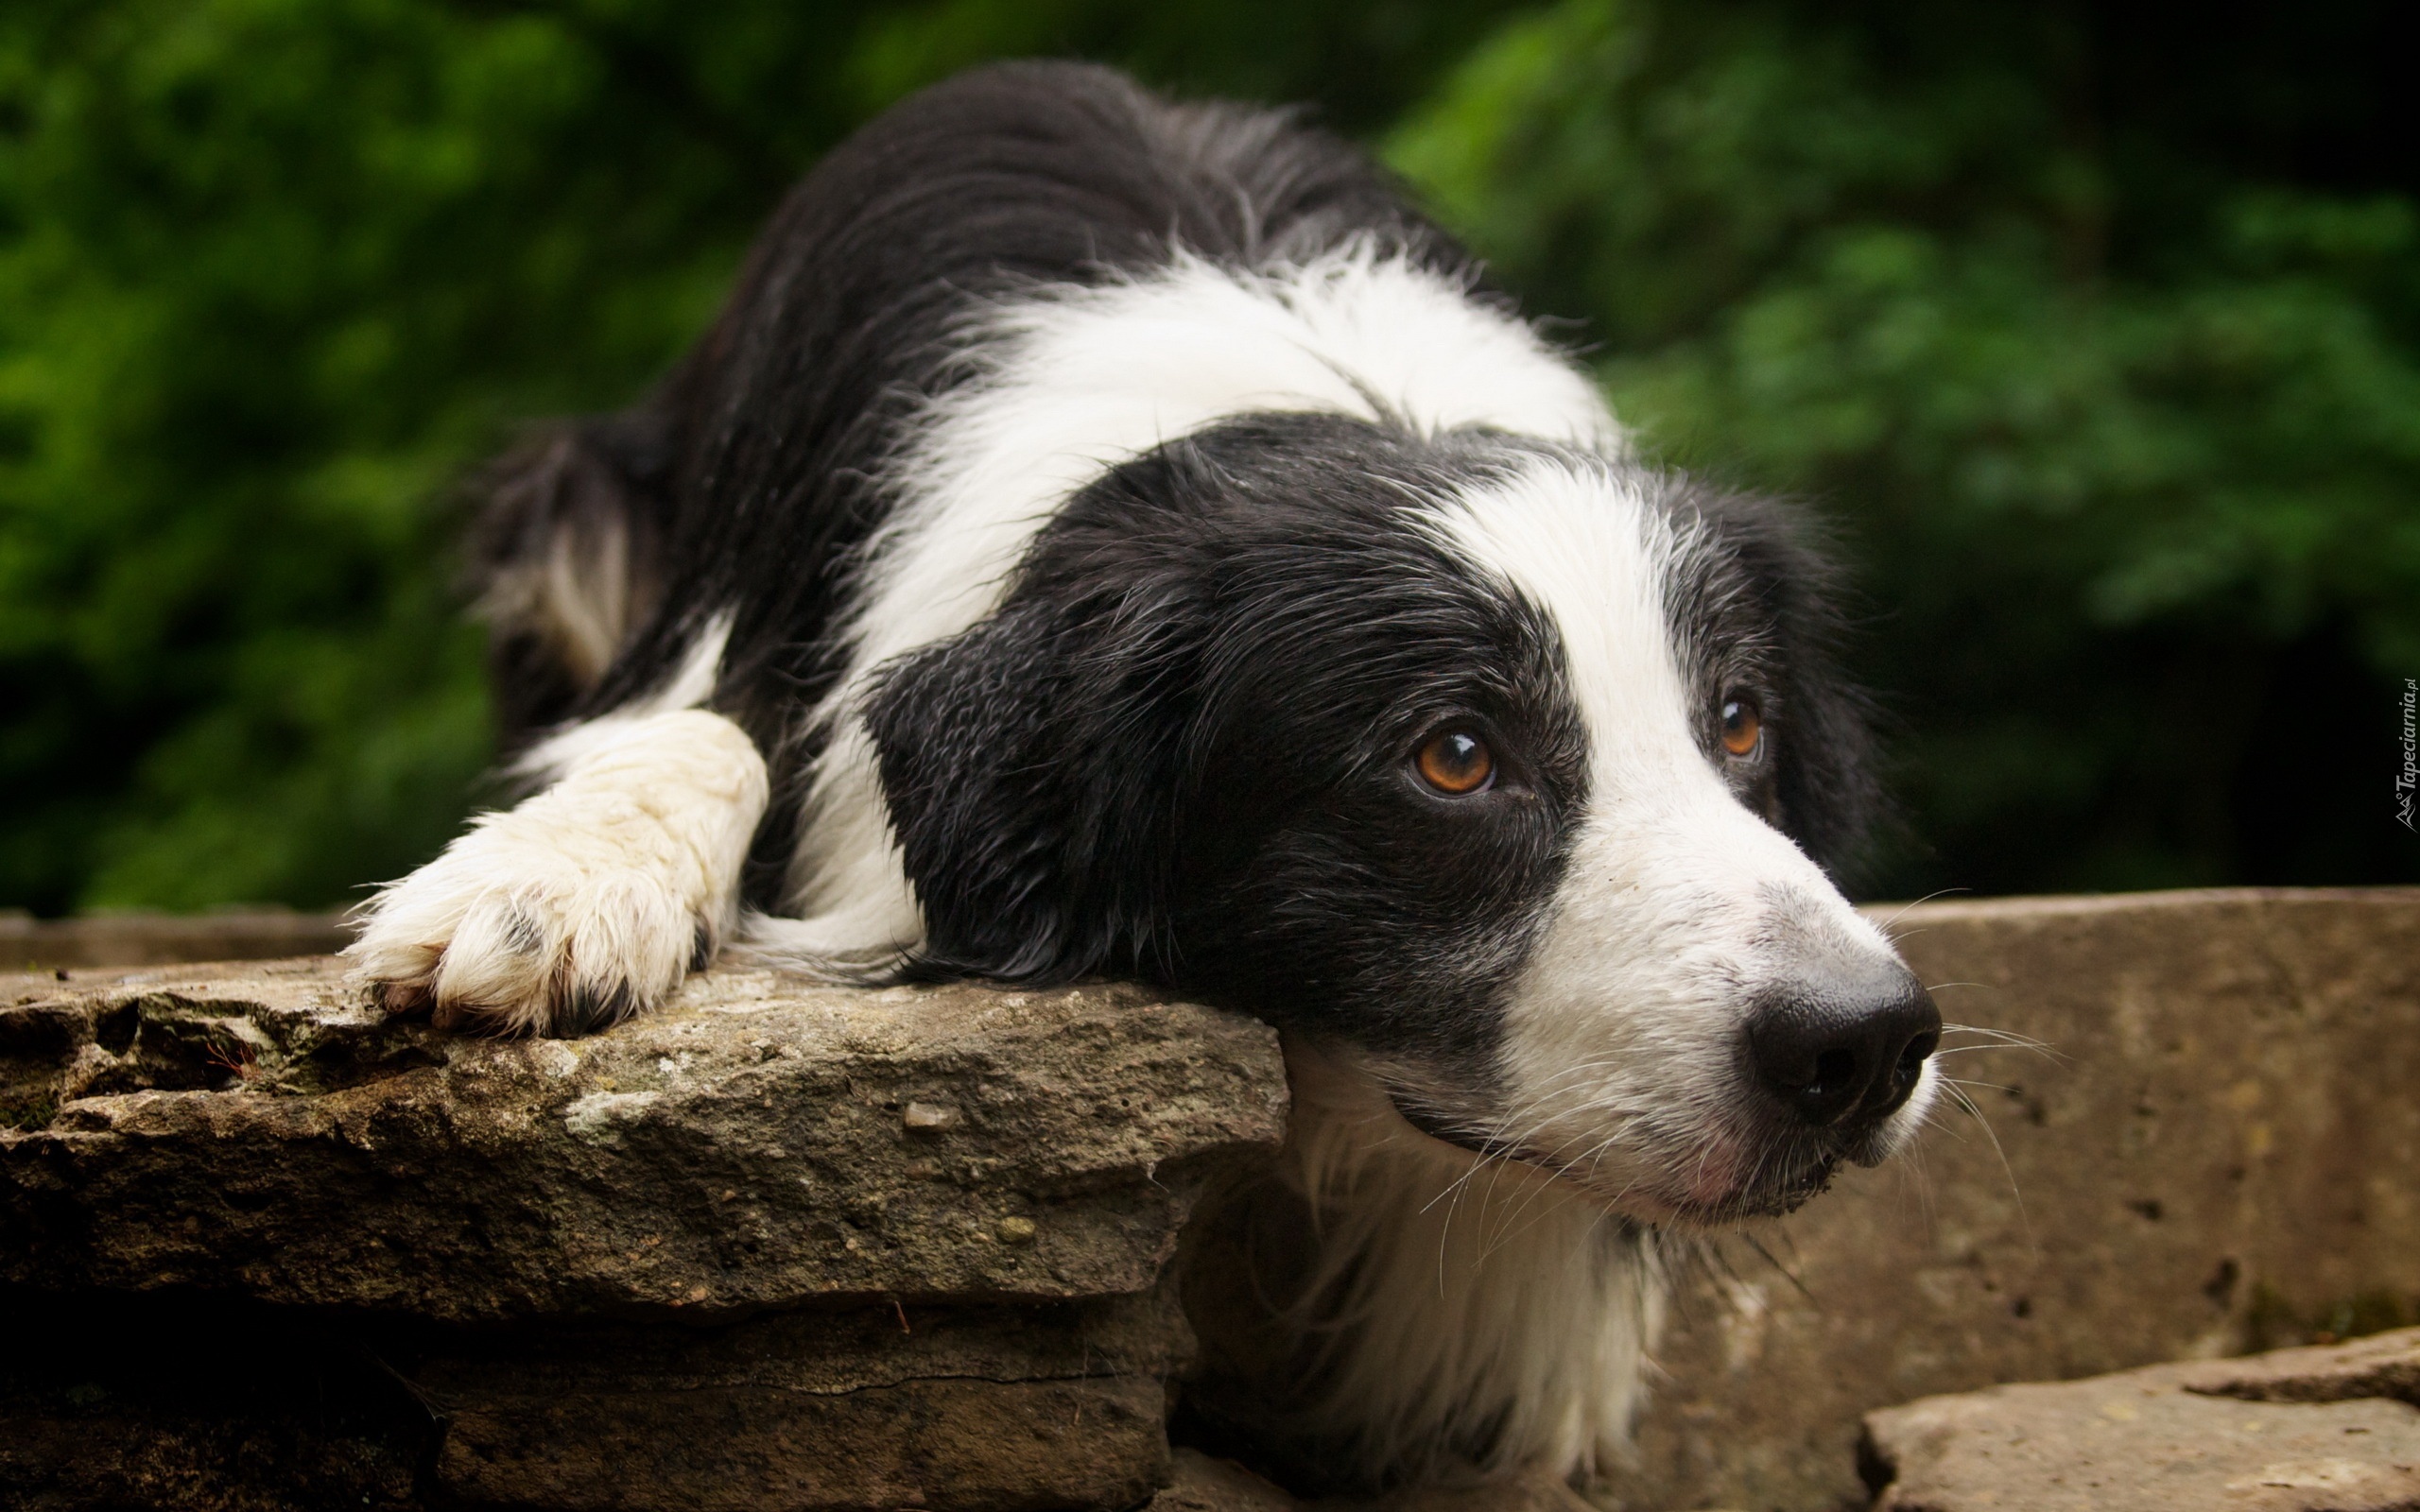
603	538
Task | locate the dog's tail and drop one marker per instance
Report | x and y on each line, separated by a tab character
567	561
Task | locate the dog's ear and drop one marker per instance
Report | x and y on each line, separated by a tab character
1831	795
1829	791
1035	770
1826	792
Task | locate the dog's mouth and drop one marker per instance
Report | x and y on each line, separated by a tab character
1724	1184
1773	1196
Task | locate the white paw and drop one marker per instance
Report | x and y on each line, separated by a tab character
588	902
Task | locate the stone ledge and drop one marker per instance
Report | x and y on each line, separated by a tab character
777	1245
2308	1430
759	1143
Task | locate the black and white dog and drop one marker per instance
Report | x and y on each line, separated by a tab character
1110	537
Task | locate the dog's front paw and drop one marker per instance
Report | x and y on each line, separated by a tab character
585	904
506	938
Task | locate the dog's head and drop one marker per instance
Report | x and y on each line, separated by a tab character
1501	772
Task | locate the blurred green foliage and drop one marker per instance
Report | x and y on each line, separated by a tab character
2092	329
2098	331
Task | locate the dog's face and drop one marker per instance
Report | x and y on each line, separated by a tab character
1493	769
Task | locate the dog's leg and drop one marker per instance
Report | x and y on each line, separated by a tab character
587	903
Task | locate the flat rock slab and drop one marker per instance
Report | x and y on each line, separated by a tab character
761	1142
2312	1430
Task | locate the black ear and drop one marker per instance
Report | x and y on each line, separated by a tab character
1829	792
1831	795
1036	771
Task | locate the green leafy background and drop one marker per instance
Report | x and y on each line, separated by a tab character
2094	332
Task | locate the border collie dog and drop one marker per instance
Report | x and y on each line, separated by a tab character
1110	537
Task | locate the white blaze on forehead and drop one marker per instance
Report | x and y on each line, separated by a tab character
1588	547
1077	380
1622	1033
1069	382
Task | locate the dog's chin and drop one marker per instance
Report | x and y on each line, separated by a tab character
1776	1192
1790	1172
1776	1197
1784	1182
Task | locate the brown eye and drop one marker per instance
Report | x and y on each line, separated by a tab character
1743	725
1455	762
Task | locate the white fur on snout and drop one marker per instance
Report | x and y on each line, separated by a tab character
599	890
1623	1043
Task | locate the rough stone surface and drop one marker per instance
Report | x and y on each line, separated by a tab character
2311	1430
196	1463
1198	1482
2383	1364
946	1408
2216	1156
935	1444
110	1402
149	939
258	1130
780	1246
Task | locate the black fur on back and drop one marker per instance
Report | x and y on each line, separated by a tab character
758	453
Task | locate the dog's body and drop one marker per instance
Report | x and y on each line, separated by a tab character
1110	537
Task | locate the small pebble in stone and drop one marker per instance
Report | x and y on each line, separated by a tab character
920	1170
1016	1231
929	1118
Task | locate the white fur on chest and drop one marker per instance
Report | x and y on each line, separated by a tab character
1463	1301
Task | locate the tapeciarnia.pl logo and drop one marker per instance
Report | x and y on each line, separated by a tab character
2408	780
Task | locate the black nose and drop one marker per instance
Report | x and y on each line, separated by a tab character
1843	1050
